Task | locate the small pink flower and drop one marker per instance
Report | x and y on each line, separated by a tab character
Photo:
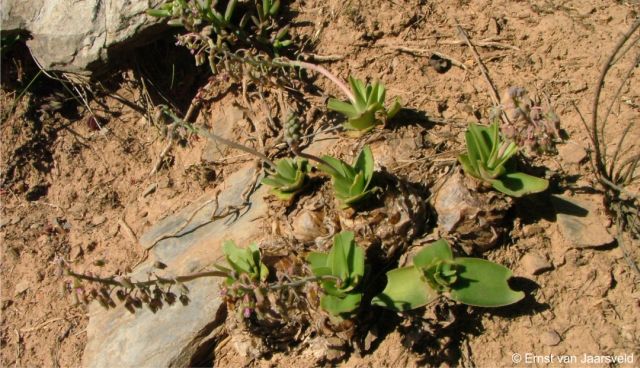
247	312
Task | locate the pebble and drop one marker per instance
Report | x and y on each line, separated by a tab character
98	220
550	338
534	263
21	287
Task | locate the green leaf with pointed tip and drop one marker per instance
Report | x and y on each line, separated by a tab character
338	260
247	260
359	93
364	163
337	166
406	289
511	150
275	6
274	181
159	13
263	271
483	283
231	6
343	307
436	251
476	133
318	263
286	169
395	108
467	165
472	152
342	107
357	186
518	184
493	155
236	257
353	256
365	121
349	201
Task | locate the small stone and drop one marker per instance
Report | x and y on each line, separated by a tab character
579	222
534	264
21	287
572	153
98	220
550	338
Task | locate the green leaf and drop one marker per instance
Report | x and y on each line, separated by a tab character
467	165
359	93
338	260
274	181
481	146
344	306
364	163
159	13
247	260
275	6
286	168
364	122
395	108
436	251
231	6
518	184
406	289
483	283
318	263
337	167
342	107
358	185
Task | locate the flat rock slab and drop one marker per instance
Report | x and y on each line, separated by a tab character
579	222
175	333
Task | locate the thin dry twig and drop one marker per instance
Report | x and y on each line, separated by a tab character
41	325
485	73
482	43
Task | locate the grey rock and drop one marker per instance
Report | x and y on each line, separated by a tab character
79	36
174	334
579	222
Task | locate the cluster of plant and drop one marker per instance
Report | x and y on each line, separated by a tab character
365	107
228	35
341	274
490	159
530	125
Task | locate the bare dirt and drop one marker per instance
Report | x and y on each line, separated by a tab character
83	191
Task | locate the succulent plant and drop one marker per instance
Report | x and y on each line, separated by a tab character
368	100
345	261
350	182
489	159
289	177
435	271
